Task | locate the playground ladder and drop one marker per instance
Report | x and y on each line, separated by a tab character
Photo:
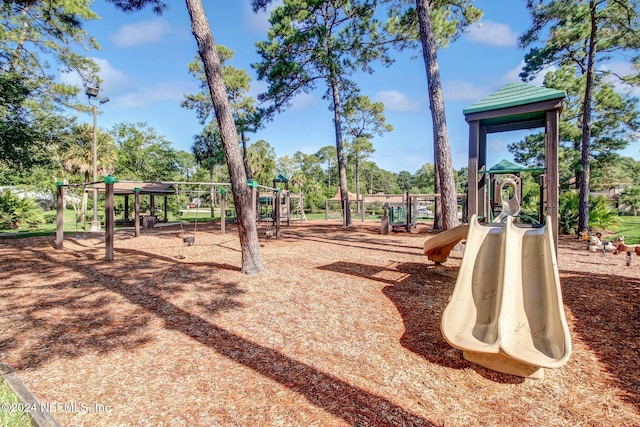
300	209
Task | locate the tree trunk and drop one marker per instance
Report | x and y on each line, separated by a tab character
211	192
83	208
437	205
85	201
358	183
342	169
251	257
585	157
440	136
245	158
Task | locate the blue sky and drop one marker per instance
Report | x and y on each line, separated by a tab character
144	70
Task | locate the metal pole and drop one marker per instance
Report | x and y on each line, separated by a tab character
59	216
95	224
223	210
136	214
277	212
109	218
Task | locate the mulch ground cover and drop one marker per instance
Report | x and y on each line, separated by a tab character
342	328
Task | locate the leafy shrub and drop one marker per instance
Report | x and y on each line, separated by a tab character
50	218
16	212
601	214
630	197
568	209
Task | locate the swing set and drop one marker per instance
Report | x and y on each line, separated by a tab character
111	187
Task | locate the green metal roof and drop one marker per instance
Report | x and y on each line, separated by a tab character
512	95
504	165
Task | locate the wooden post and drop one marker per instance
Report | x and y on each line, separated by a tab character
362	210
136	213
484	205
287	203
254	198
345	206
407	211
384	225
472	194
326	209
223	210
277	198
126	206
59	215
552	132
166	210
109	217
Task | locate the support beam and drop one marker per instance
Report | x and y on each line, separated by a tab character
483	199
109	217
254	199
223	210
278	198
552	136
59	216
474	152
136	213
166	210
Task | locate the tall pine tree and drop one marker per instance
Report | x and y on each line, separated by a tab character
583	35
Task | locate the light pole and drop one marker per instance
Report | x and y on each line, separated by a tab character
92	92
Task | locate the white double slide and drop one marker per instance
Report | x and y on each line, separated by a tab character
506	311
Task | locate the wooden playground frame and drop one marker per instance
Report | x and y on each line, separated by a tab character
110	186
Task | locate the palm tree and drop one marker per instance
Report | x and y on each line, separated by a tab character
208	152
76	157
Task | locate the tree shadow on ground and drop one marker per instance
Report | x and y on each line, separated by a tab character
420	293
91	323
353	239
75	313
606	309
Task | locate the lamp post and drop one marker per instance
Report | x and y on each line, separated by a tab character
92	92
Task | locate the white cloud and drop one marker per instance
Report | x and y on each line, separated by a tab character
144	97
513	75
140	33
258	87
397	101
495	145
454	90
303	101
622	69
113	80
492	33
258	22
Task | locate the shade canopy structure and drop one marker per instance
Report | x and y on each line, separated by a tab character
516	106
281	178
155	188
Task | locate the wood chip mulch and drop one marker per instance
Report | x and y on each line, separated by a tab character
342	328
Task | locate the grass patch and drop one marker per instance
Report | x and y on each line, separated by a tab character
11	418
629	227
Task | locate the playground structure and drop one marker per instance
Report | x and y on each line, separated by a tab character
112	187
506	311
291	208
402	211
291	205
